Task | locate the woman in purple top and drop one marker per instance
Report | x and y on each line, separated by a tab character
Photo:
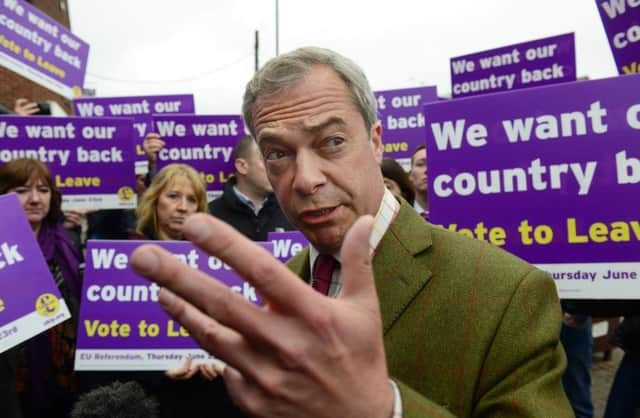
44	378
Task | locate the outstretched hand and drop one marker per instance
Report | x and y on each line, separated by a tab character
303	354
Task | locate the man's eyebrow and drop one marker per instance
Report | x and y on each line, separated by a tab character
267	137
273	134
315	126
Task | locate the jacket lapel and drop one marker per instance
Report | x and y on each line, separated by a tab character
299	264
400	273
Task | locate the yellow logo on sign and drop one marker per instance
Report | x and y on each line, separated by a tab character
125	194
47	304
76	91
2	307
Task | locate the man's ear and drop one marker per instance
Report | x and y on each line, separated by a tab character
376	142
241	166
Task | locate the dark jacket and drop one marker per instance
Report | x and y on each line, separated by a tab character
111	224
256	227
627	335
602	307
9	401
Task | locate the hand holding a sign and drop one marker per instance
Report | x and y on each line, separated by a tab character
303	354
152	145
187	371
75	218
24	107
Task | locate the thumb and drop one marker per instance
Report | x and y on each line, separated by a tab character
357	272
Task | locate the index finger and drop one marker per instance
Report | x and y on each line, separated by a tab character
275	282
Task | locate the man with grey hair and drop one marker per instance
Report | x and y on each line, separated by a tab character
393	316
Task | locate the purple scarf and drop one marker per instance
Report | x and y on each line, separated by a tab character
55	246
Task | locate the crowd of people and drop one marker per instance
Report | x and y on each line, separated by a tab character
393	316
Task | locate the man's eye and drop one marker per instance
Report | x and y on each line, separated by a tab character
193	200
273	155
335	141
44	190
20	190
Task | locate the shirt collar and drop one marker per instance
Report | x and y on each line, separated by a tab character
248	202
387	212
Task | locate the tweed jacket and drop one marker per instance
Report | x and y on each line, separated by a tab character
469	330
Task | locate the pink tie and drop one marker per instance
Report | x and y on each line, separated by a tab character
322	271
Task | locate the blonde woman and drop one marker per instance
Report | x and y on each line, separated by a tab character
176	192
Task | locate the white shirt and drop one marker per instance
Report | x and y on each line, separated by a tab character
387	212
248	202
418	207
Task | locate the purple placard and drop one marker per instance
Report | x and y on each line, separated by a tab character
621	20
287	244
401	114
205	142
140	108
529	64
91	159
39	48
30	302
121	326
565	199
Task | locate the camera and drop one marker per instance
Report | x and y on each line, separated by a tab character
44	108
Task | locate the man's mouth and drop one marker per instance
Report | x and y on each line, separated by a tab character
318	216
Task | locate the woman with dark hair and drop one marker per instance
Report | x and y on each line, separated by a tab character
46	382
397	180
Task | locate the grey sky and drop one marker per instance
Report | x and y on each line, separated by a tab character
206	47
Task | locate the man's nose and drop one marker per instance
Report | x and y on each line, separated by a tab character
309	175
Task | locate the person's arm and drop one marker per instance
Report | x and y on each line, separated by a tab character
303	354
152	145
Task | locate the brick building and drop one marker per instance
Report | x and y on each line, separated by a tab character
13	86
